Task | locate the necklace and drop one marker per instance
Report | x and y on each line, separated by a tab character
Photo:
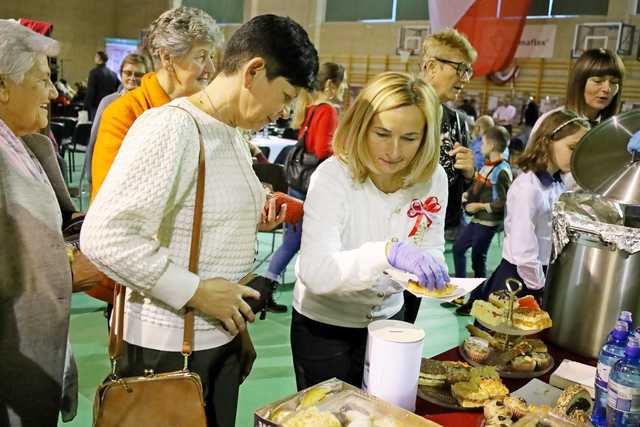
215	110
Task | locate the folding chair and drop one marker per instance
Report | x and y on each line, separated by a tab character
274	176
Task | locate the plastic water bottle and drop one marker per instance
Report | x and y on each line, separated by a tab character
611	352
626	316
624	388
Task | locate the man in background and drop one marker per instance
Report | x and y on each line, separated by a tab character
102	82
505	114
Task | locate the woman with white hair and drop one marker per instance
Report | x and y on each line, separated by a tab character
185	43
35	277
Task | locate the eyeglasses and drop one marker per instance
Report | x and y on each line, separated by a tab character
583	122
128	73
464	70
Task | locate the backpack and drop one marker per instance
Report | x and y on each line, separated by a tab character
299	165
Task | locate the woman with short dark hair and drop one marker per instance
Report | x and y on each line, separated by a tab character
138	230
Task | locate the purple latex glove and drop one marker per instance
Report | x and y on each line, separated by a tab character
634	143
408	257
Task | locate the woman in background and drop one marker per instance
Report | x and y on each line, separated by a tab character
316	118
594	90
185	42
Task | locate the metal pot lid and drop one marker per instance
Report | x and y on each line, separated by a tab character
601	163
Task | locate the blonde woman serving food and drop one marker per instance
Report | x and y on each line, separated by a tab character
378	203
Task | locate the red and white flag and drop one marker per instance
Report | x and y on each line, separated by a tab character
493	27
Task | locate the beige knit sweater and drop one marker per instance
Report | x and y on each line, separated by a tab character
138	230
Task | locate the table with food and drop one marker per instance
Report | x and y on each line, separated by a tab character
572	359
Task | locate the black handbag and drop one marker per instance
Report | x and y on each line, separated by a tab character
299	165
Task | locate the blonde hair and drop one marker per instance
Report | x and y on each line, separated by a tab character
483	123
388	91
436	44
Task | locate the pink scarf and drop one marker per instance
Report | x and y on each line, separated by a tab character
18	156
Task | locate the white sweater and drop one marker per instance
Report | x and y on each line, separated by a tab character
138	230
342	257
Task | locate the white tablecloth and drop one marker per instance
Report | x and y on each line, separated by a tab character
274	143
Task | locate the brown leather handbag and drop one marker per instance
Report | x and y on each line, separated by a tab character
172	399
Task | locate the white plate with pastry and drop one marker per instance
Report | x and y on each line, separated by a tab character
456	288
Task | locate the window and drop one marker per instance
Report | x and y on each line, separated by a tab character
224	11
372	10
582	7
412	10
568	7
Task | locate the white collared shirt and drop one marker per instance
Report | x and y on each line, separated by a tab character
527	225
346	227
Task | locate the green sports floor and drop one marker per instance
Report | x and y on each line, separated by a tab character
272	377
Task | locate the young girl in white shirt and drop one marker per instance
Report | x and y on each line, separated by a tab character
527	225
378	203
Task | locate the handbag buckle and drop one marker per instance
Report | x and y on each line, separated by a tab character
114	364
185	366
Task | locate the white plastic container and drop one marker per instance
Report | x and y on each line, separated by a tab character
392	362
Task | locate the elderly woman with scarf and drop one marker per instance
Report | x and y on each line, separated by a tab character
35	275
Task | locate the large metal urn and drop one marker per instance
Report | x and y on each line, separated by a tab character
595	269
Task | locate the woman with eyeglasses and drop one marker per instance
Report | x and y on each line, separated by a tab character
446	66
527	225
133	67
184	43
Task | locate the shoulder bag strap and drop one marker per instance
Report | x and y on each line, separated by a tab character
307	124
115	335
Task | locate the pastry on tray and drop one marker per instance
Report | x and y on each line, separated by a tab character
488	313
448	290
433	373
520	354
477	349
469	395
501	299
457	372
494	408
523	364
531	319
574	402
312	417
517	406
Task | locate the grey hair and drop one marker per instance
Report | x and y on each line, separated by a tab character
19	48
176	30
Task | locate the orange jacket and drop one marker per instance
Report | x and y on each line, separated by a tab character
116	120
